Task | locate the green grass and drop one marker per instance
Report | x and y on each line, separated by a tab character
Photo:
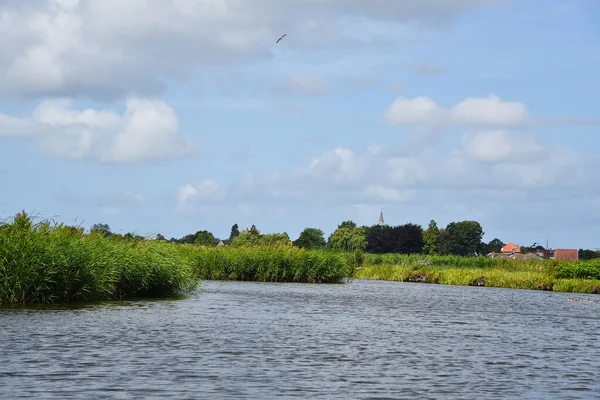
46	263
542	274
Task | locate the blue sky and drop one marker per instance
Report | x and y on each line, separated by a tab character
174	116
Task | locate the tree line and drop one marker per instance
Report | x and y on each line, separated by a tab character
462	238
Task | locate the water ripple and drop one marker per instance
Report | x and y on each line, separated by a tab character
361	340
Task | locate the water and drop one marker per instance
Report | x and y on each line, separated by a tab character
361	340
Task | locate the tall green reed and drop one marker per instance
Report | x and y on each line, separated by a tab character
270	264
41	263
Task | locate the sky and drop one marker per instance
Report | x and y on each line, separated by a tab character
174	116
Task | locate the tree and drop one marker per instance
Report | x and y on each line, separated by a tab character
347	239
460	238
235	232
378	239
187	239
311	238
249	238
586	254
494	246
245	239
347	224
101	229
408	239
274	239
254	231
160	237
430	238
405	239
205	238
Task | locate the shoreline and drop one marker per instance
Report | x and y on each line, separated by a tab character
493	277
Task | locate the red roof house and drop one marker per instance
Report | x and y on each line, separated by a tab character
511	248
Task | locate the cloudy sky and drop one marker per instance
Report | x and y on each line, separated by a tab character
172	116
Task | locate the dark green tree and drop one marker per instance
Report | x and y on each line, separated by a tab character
378	239
311	238
460	238
102	229
588	254
494	246
187	239
234	231
405	239
408	239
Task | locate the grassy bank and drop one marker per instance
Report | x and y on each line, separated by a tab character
54	263
556	275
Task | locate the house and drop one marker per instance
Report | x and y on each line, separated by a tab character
566	254
510	248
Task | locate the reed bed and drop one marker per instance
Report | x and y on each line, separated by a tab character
270	264
543	274
54	263
44	263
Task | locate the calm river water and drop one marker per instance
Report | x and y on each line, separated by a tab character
360	340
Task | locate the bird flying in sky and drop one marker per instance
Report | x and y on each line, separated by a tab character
284	35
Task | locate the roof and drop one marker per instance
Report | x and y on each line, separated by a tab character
508	248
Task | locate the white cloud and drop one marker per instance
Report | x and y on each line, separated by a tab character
495	146
205	191
110	48
148	130
12	126
489	111
477	111
489	146
479	164
340	166
419	110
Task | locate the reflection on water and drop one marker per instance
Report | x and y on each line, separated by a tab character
364	339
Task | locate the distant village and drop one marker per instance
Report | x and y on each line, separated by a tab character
512	250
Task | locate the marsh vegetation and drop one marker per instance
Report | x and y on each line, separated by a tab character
48	262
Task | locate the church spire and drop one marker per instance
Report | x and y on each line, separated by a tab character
381	223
